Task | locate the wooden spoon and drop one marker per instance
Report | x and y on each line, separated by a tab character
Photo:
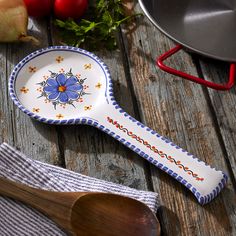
87	213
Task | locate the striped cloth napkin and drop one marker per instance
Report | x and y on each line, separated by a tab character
20	220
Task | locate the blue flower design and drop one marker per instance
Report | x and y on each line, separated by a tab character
62	89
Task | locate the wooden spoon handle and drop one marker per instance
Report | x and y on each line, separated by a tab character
56	205
16	191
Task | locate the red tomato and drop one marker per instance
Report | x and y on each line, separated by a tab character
39	8
64	9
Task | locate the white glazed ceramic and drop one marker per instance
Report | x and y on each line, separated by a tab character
67	85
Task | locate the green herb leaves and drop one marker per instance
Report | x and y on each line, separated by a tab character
97	29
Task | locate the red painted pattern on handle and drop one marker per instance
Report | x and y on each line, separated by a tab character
195	79
154	149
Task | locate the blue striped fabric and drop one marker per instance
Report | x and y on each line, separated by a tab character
17	219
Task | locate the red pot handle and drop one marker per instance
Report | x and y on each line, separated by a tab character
195	79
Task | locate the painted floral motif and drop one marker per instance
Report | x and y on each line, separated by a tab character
59	116
45	77
37	110
86	87
40	89
98	85
24	90
59	59
87	108
62	88
62	70
87	66
32	69
46	100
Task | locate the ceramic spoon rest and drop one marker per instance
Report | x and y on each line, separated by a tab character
65	85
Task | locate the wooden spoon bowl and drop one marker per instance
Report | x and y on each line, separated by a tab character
87	213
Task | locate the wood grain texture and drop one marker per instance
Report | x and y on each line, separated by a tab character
179	110
6	133
37	140
223	104
197	119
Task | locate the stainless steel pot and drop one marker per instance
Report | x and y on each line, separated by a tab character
207	27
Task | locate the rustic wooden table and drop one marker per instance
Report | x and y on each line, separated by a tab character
201	120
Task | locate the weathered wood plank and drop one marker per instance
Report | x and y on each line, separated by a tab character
6	134
35	139
179	110
91	152
223	103
175	108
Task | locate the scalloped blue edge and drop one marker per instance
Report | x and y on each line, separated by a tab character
88	121
201	199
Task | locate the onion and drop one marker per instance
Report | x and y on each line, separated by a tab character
14	21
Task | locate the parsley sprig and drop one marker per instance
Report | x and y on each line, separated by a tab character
97	28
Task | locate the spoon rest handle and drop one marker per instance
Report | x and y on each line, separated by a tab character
202	180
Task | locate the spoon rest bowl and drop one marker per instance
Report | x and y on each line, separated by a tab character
66	85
